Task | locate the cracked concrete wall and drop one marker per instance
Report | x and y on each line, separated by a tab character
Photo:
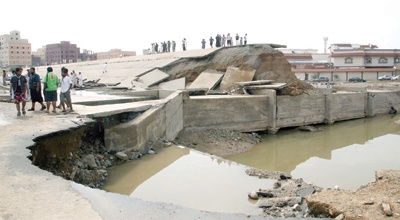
379	102
240	113
348	106
164	120
300	110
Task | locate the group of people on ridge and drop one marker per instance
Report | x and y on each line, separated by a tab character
222	41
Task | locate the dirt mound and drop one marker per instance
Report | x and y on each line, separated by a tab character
270	64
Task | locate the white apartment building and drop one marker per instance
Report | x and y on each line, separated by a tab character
14	51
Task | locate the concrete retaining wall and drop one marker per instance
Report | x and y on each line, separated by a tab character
244	113
379	102
241	113
300	110
347	106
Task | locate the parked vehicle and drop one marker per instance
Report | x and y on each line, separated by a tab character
322	79
357	79
385	77
395	77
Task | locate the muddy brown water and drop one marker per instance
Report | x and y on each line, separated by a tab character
345	154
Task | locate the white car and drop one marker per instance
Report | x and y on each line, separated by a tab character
395	77
385	77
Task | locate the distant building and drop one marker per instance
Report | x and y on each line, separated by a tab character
114	53
353	60
63	52
344	46
366	58
39	57
14	51
87	55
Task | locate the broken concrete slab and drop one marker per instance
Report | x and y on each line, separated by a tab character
153	77
176	84
207	79
263	89
107	110
233	75
253	83
275	86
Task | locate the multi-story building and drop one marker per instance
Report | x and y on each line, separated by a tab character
114	53
366	58
354	60
63	52
14	51
39	57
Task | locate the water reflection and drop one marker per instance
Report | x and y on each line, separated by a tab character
292	150
193	180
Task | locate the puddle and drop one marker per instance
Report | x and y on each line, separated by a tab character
190	179
346	153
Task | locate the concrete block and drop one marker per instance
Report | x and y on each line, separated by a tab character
347	106
233	75
137	133
149	126
173	116
153	77
300	110
176	84
207	79
239	113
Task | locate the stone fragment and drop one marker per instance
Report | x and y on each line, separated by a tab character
278	202
340	217
369	202
285	176
297	207
303	192
122	156
253	195
265	194
386	209
277	185
90	161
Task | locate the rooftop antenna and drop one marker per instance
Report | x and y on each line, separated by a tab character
325	42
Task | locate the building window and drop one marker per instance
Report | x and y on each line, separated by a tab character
368	60
396	60
383	60
348	60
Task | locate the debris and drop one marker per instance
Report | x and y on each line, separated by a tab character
386	209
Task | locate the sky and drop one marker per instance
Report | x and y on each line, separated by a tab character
133	25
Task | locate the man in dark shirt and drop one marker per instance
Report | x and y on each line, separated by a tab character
18	88
35	89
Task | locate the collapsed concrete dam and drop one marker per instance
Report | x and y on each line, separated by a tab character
162	116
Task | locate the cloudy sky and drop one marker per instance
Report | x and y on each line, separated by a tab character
133	25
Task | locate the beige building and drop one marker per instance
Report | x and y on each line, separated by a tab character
347	61
40	55
114	53
14	51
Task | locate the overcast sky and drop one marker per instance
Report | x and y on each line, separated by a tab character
133	25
